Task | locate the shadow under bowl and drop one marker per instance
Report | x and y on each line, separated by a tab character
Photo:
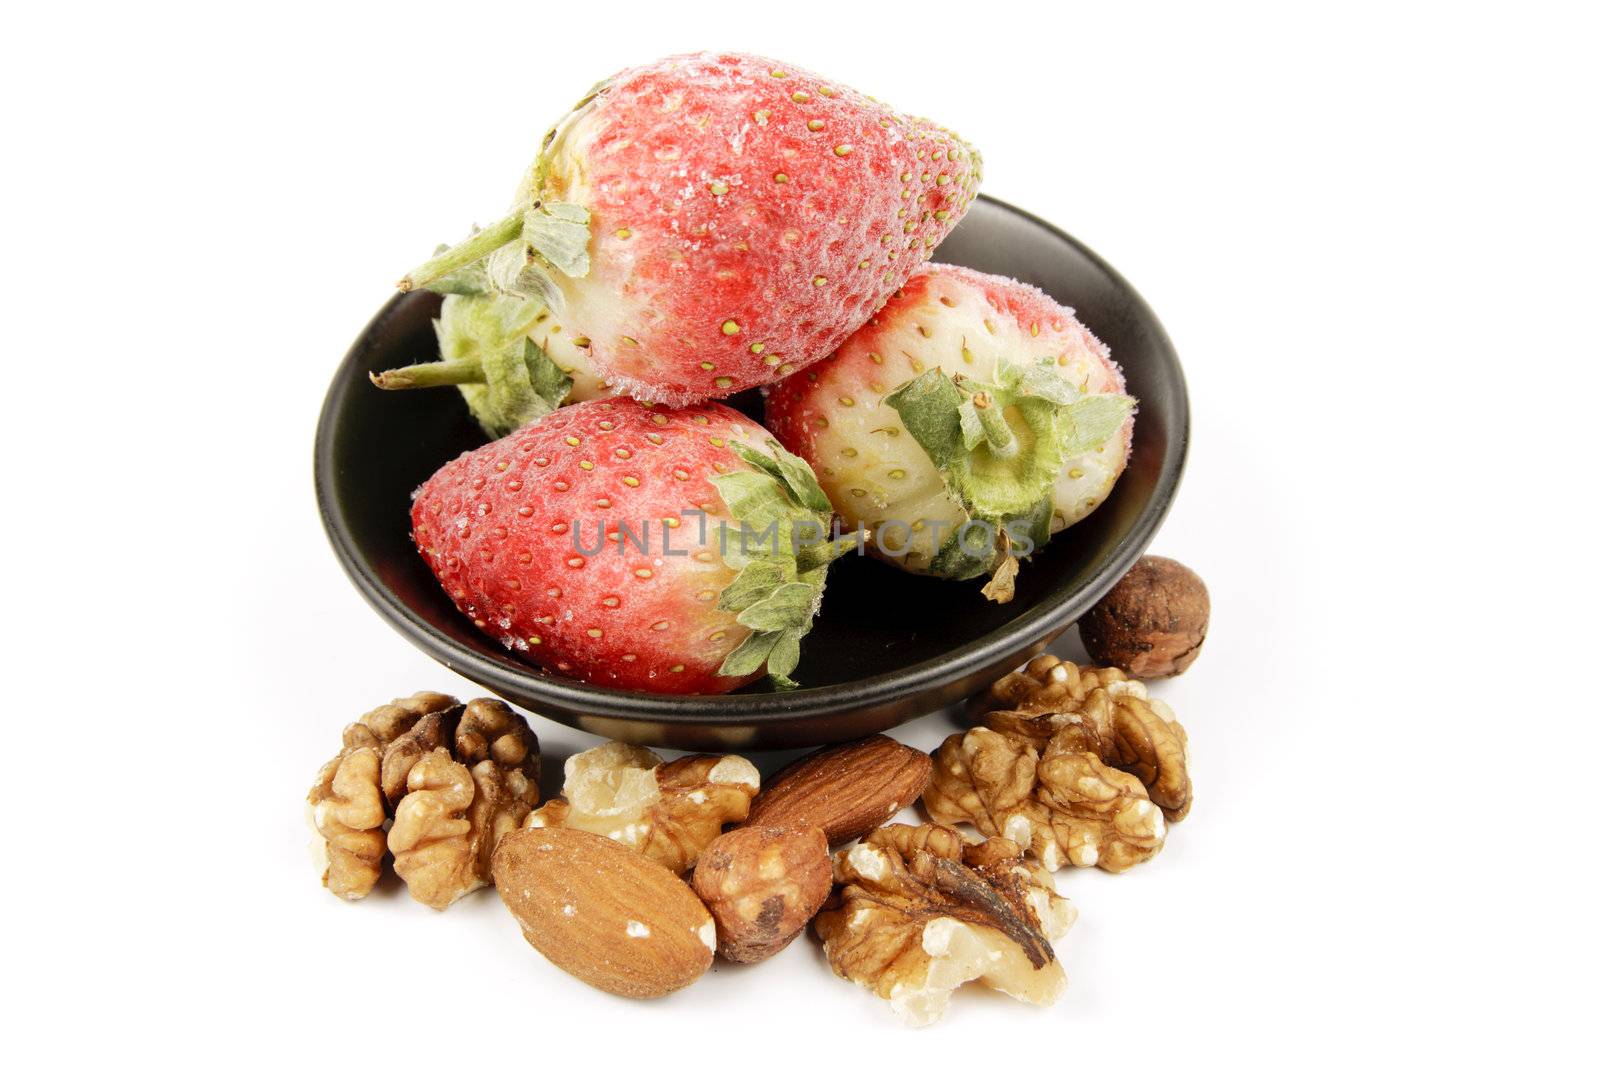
887	645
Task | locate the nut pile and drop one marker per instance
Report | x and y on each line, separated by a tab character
642	871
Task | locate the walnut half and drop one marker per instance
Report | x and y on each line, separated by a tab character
1075	765
921	911
458	804
346	812
666	811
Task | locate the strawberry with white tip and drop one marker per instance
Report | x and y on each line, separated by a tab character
710	223
969	421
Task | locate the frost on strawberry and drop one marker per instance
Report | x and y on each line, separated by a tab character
667	551
967	423
713	222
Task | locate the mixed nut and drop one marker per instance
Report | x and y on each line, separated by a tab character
642	870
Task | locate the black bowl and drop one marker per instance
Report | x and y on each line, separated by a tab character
887	646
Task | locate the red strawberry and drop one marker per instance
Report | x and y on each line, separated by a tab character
969	399
712	222
579	542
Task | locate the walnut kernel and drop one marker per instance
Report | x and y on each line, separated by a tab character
1076	766
666	811
921	911
453	778
345	809
461	799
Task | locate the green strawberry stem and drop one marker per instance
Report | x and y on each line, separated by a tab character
964	428
431	375
996	431
506	379
813	557
467	252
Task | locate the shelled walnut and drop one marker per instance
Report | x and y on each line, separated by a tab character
666	811
411	728
920	911
1075	765
345	809
452	778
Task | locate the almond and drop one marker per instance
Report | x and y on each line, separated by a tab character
602	912
845	789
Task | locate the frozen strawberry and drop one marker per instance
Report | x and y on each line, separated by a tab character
713	222
672	551
967	422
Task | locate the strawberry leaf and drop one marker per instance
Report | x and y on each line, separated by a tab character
550	383
790	605
929	407
750	656
1000	446
1046	383
791	471
560	234
1089	421
758	505
781	573
966	553
514	271
971	425
965	432
754	583
1036	522
511	381
784	658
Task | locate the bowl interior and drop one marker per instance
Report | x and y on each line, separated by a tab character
880	630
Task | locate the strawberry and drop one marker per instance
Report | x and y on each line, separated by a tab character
972	418
713	222
672	551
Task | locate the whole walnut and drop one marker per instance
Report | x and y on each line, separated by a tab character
1152	623
432	781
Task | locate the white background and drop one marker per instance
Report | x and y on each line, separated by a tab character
1371	232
